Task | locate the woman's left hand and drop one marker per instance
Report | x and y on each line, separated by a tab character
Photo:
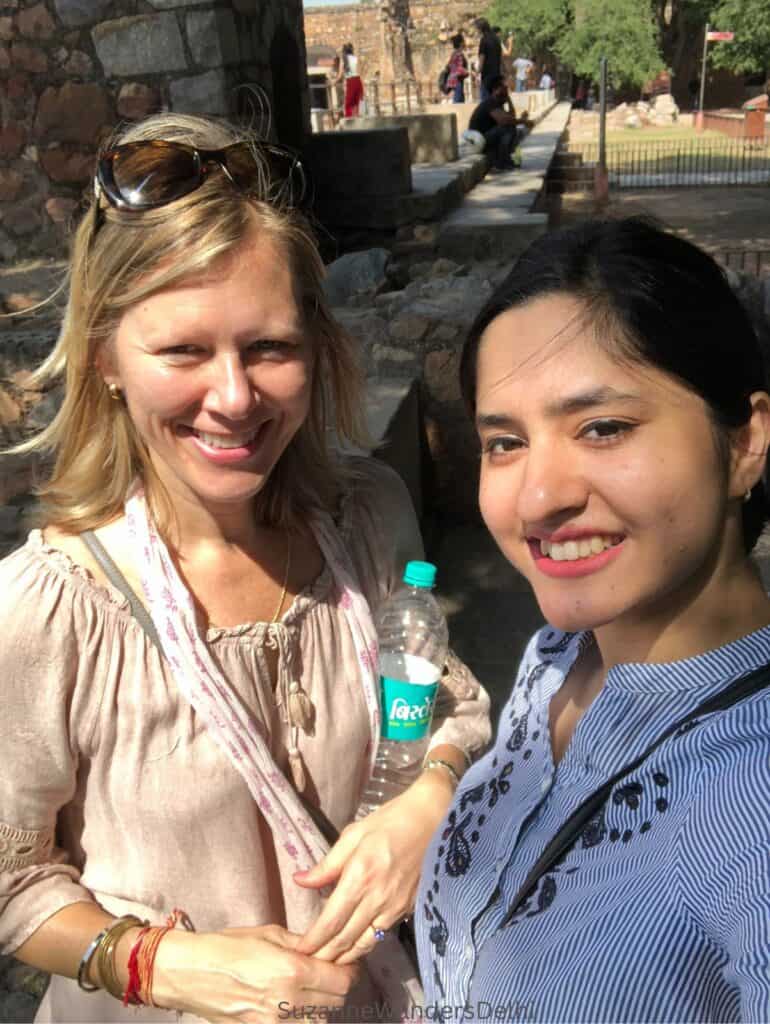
375	864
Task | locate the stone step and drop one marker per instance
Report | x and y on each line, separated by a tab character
497	219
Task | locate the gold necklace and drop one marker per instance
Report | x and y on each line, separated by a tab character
285	579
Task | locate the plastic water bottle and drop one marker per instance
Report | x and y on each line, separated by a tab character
413	643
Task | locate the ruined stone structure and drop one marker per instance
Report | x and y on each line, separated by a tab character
395	49
71	70
396	39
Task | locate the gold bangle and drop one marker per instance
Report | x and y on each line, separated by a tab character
436	762
106	954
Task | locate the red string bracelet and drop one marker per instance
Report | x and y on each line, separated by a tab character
141	959
131	997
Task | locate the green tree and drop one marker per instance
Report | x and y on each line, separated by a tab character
580	32
750	21
537	24
623	31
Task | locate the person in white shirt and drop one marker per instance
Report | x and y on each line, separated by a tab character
546	81
521	68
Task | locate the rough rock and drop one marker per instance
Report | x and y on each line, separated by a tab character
36	23
632	121
60	209
11	183
79	65
81	12
140	45
28	58
66	166
136	100
200	94
354	273
213	38
74	113
22	220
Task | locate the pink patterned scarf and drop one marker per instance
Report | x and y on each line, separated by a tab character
231	725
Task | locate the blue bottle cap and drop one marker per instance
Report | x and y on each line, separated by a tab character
420	574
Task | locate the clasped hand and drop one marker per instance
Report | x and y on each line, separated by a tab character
375	868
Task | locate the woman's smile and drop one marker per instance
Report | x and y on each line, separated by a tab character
589	468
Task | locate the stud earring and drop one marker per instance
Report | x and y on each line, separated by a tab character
115	393
747	496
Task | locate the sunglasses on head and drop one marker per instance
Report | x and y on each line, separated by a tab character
153	173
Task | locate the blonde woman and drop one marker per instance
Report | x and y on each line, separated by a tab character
188	661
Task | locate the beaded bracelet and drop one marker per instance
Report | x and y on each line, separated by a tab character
436	762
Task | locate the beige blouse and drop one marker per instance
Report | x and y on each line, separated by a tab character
112	790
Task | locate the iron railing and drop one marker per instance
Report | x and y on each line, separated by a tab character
755	262
674	163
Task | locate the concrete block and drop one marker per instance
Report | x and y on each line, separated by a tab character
360	163
213	38
200	94
139	46
432	137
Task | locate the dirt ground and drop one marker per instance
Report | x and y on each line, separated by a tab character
717	219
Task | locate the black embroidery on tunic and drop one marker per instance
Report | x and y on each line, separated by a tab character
439	933
499	786
559	647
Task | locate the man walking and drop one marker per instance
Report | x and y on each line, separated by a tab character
490	56
499	127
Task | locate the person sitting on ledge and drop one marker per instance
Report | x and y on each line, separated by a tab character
499	127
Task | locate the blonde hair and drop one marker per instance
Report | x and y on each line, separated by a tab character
121	257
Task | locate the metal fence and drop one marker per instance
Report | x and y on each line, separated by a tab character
665	164
746	261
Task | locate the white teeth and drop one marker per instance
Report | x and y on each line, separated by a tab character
226	441
571	550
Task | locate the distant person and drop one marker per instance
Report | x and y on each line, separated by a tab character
458	69
522	67
354	87
546	82
507	43
499	127
490	56
581	93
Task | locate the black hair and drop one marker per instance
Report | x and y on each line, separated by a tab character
457	40
670	305
347	48
482	25
496	28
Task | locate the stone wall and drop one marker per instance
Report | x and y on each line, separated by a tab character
432	23
71	70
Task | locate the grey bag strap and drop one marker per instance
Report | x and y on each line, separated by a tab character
117	579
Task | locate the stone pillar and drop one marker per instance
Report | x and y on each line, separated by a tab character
71	70
395	25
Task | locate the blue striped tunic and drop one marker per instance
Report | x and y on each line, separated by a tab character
661	910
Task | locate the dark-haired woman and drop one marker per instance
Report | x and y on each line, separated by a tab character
619	395
354	87
458	70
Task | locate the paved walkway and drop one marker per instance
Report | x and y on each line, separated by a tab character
497	218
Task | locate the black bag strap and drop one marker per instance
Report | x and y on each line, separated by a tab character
117	579
569	832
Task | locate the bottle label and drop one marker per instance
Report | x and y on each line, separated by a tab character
407	709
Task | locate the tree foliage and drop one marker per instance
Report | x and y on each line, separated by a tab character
580	32
750	21
638	37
